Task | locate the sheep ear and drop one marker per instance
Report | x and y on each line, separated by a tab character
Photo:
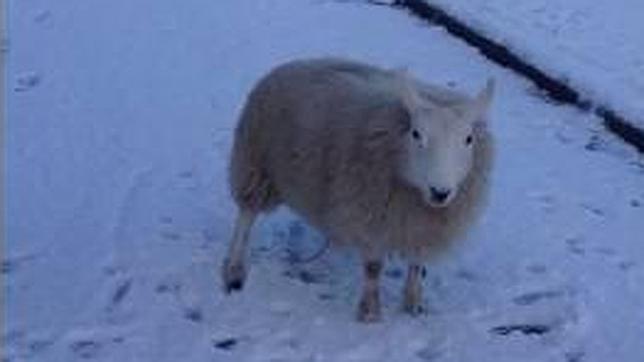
408	93
482	102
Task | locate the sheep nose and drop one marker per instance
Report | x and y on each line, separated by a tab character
440	194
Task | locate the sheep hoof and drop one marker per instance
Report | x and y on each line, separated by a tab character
415	308
233	275
369	310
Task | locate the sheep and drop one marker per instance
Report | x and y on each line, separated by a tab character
371	157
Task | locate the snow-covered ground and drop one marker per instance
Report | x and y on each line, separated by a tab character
598	46
119	124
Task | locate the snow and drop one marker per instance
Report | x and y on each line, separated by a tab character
598	46
119	124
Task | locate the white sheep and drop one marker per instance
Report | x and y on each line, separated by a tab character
371	157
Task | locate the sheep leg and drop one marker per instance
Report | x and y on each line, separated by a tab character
234	267
369	306
413	290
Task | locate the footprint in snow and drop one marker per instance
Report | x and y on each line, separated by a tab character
626	265
526	329
24	344
188	180
537	268
166	220
188	174
305	276
193	314
431	352
563	137
170	235
38	346
577	246
11	264
545	201
189	308
394	273
167	286
467	275
43	17
593	210
7	267
530	298
543	315
326	296
86	348
121	291
576	356
225	344
595	143
27	81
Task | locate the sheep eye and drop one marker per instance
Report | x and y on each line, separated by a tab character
415	134
468	140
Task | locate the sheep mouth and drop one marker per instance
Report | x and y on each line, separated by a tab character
438	204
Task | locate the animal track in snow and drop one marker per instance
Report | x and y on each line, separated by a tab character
43	17
15	263
225	344
626	265
184	296
168	287
27	81
86	348
186	174
24	345
593	210
577	246
188	180
394	273
305	276
467	275
526	329
431	352
170	235
193	314
576	356
538	317
537	268
546	201
122	290
166	220
4	45
326	296
537	296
